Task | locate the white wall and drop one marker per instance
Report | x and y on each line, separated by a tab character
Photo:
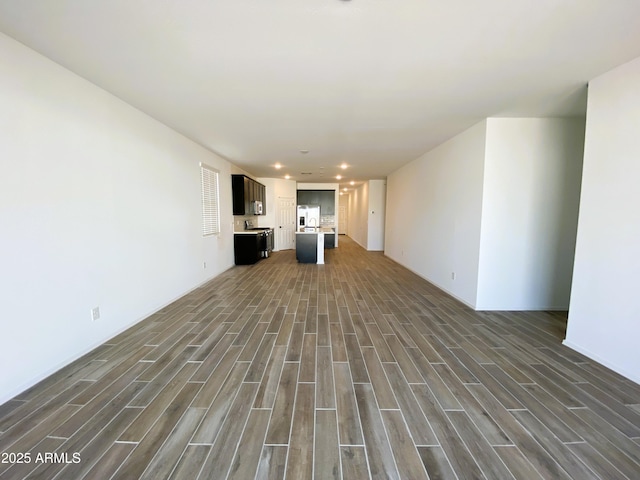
604	314
345	201
358	216
529	212
434	206
375	214
99	206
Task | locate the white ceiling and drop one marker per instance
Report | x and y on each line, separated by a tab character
372	83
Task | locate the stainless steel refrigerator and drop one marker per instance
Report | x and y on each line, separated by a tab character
308	216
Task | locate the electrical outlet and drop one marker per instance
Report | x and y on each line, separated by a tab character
453	275
95	314
204	264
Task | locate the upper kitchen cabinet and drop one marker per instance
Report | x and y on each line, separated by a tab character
308	197
246	192
325	198
327	202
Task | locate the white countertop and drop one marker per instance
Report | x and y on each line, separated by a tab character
319	230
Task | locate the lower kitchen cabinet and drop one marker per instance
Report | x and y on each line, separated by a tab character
329	240
247	248
307	247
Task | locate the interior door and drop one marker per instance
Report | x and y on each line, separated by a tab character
342	220
286	229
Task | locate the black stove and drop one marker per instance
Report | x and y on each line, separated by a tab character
250	251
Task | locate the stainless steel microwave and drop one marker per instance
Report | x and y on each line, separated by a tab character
257	207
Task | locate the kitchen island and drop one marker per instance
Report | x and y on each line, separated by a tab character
310	244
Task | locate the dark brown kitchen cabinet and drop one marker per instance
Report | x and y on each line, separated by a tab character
325	198
245	192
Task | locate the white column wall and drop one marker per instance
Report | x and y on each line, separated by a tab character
604	314
529	213
358	217
99	207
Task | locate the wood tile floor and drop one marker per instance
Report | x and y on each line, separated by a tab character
355	369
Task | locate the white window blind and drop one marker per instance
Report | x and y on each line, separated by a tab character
210	200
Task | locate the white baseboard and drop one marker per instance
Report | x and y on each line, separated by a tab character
634	377
6	396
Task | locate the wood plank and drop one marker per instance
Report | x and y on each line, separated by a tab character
190	463
436	463
404	361
354	463
308	359
294	351
300	459
168	455
135	464
211	424
419	426
325	389
110	461
215	379
338	348
381	460
221	455
441	380
596	462
280	424
381	387
380	344
349	429
356	362
324	338
260	359
326	459
556	449
479	447
517	464
247	456
272	463
269	386
533	451
404	450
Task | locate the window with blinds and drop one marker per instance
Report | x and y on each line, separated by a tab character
210	200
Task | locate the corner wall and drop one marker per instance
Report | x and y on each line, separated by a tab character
434	207
100	207
604	314
531	193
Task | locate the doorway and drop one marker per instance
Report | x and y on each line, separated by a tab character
342	220
285	231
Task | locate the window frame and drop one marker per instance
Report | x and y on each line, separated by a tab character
210	200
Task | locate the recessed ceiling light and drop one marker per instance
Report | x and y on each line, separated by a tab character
338	177
345	189
352	183
278	166
343	166
287	177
